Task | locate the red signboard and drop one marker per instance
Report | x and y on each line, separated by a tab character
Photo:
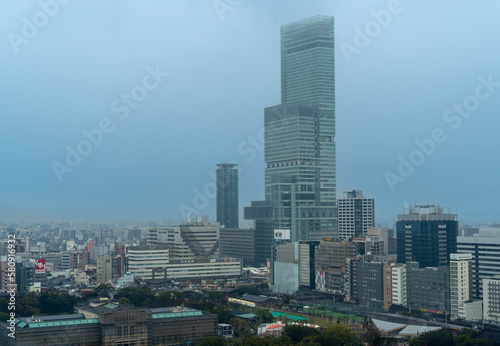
40	266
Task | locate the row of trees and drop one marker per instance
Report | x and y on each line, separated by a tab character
47	303
294	335
445	338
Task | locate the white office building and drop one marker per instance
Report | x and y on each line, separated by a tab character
189	241
143	260
399	284
356	214
460	282
491	299
471	311
485	250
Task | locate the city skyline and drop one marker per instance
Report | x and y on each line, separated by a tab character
415	105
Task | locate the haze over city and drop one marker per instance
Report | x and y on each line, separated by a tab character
417	97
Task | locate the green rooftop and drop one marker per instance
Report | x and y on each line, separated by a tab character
177	314
297	318
277	313
284	314
111	306
60	323
249	316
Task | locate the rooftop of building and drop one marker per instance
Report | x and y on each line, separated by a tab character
353	194
54	321
149	247
310	20
101	309
226	165
427	213
254	298
52	318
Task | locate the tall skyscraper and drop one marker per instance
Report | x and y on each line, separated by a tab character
299	133
227	195
300	175
427	235
356	214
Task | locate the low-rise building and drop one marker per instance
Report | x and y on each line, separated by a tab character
106	323
471	311
225	330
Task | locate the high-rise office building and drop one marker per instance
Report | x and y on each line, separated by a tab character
427	235
370	282
300	169
227	195
104	269
491	299
300	176
428	289
332	266
460	282
356	214
398	281
485	250
262	213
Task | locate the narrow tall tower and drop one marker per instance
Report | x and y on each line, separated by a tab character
227	195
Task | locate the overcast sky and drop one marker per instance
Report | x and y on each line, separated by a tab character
148	96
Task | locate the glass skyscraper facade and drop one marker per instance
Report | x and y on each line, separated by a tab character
308	62
227	195
300	175
300	133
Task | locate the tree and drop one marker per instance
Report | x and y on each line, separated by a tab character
297	333
54	303
4	305
215	296
212	341
103	290
340	336
373	336
124	301
248	289
466	340
140	296
441	338
169	298
311	341
4	316
241	327
264	316
221	312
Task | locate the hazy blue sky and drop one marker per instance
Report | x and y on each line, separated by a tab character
431	70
